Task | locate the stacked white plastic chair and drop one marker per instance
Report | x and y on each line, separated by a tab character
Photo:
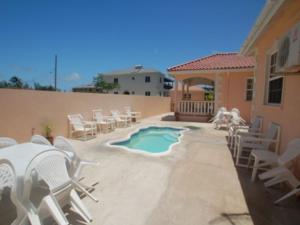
121	120
6	142
60	187
78	125
255	127
104	122
134	115
264	158
260	141
39	139
76	164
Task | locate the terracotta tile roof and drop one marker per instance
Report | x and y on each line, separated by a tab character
219	61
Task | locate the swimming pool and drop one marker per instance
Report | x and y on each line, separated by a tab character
152	139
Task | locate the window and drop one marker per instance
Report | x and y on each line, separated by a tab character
132	78
116	93
116	80
147	79
249	89
274	82
147	93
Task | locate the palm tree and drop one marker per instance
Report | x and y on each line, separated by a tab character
16	82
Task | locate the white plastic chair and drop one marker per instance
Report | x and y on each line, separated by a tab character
254	127
78	125
263	158
260	141
7	177
51	168
134	115
8	180
6	142
121	120
103	121
76	164
39	139
219	118
279	175
236	119
222	109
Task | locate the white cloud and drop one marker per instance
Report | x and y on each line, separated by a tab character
73	77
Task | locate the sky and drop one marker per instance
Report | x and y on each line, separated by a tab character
93	37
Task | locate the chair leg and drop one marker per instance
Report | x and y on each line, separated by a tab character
79	207
238	154
273	181
81	188
293	192
55	210
249	160
255	168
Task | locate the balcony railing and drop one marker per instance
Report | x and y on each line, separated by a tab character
196	107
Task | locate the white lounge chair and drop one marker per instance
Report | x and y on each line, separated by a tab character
105	123
279	175
134	115
254	127
76	164
261	141
263	158
121	120
60	187
39	139
78	125
6	142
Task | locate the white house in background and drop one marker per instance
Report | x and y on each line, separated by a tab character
139	81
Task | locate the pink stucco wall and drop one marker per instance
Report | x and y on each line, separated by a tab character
287	114
23	110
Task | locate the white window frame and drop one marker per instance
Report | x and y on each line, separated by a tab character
249	89
269	77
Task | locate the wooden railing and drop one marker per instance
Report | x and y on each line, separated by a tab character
196	107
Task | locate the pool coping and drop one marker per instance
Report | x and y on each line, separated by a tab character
143	152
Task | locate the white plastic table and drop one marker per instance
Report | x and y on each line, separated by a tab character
20	157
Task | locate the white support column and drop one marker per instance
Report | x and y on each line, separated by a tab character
176	96
182	90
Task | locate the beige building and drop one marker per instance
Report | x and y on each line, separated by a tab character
139	81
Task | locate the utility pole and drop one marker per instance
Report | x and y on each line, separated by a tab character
55	73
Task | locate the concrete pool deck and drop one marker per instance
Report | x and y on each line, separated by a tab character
197	183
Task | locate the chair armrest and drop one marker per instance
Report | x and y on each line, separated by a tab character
250	134
256	139
90	124
88	162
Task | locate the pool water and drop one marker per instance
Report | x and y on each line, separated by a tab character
152	139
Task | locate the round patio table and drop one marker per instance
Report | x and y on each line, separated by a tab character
20	156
